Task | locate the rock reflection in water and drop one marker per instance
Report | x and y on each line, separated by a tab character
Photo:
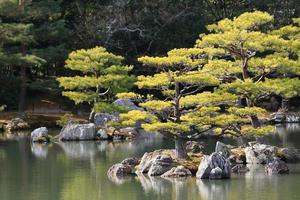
39	150
79	150
214	189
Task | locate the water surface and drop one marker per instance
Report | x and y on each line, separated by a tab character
77	170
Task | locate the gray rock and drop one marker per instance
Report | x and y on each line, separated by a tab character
102	135
280	117
289	155
16	124
216	173
40	135
176	172
160	165
101	119
78	132
277	166
222	149
211	162
129	105
119	170
131	162
194	147
260	153
240	169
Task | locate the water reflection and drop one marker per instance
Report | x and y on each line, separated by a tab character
40	150
214	189
79	150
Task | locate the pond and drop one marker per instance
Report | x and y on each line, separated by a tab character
77	170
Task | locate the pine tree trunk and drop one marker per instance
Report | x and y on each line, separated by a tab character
255	122
180	148
22	96
92	117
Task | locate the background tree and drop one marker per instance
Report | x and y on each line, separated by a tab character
102	75
251	55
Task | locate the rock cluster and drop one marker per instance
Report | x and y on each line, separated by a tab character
16	124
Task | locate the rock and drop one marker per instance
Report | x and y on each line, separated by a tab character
216	173
129	132
215	160
222	149
129	105
102	135
194	147
289	155
176	172
281	117
240	169
16	124
101	119
119	170
40	135
131	162
238	156
78	132
160	165
260	153
145	163
277	166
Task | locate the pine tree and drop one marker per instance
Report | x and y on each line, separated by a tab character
102	75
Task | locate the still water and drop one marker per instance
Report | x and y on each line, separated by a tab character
77	171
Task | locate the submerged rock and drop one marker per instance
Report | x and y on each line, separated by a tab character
40	135
179	171
210	167
16	124
78	132
277	166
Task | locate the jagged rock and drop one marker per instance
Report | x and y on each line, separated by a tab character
16	124
240	169
160	165
40	135
102	135
277	166
211	162
223	149
146	162
260	153
131	162
194	147
129	105
119	170
78	132
178	171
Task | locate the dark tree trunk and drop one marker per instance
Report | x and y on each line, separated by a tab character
22	96
180	148
255	121
284	104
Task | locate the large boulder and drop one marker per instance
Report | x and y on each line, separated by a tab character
222	149
215	166
160	165
78	132
16	124
179	171
258	153
131	162
40	135
277	166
